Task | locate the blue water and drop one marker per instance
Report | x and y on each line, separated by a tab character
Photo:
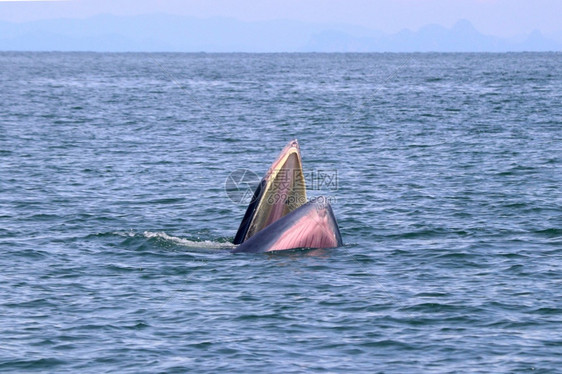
115	224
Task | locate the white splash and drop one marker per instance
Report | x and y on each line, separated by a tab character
188	243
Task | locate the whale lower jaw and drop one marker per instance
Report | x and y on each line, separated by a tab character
313	225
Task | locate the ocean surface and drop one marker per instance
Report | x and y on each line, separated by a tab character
444	171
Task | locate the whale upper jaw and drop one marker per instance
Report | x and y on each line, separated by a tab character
281	191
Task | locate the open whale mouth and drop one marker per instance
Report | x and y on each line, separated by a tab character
281	191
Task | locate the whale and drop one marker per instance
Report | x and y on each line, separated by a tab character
279	215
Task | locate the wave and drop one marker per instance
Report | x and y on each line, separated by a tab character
208	244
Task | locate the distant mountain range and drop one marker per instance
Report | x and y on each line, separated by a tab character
167	33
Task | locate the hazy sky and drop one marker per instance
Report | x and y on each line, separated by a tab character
495	17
